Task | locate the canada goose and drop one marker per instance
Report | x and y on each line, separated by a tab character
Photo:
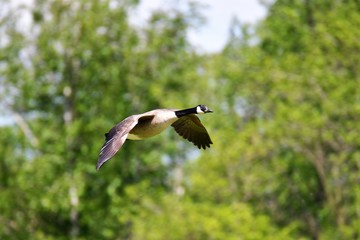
148	124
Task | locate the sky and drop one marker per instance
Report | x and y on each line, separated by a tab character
213	35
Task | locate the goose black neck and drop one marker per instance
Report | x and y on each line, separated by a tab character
184	112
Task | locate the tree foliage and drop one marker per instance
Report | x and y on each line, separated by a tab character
285	159
296	154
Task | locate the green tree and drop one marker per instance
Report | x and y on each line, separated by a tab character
78	70
284	163
291	90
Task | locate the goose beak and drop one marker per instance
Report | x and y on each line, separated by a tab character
209	111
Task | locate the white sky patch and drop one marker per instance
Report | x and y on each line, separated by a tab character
25	19
213	36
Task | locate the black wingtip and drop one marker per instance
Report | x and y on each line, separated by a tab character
203	145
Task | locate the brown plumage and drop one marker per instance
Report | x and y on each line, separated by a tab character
190	128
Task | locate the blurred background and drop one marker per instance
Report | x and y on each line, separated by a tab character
283	79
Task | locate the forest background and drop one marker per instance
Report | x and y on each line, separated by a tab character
285	163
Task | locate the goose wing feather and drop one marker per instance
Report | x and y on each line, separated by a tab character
191	128
116	137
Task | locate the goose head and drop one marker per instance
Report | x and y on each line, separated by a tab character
202	109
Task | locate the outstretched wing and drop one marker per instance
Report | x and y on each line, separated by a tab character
115	138
191	128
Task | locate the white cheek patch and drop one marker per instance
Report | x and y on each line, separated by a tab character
198	110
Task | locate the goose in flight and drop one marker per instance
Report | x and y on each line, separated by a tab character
148	124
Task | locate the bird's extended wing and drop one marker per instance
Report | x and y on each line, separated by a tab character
191	128
115	138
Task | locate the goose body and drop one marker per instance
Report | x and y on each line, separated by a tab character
152	123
